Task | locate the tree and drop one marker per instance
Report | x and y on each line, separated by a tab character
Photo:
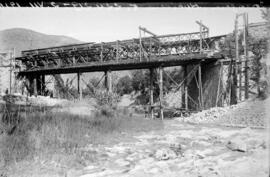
124	85
258	46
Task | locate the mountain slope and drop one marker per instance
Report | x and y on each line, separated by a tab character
25	39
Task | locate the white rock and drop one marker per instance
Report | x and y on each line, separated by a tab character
237	144
146	161
153	170
122	162
165	154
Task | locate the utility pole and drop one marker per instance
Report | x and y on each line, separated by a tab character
200	37
237	59
140	35
246	56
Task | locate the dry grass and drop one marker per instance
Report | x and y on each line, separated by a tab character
42	135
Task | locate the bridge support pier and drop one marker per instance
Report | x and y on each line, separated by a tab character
31	85
35	86
161	91
185	88
39	84
200	87
151	92
43	86
108	81
79	85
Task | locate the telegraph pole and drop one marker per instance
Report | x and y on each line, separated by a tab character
246	55
237	58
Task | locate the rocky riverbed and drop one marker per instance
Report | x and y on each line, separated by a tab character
184	150
200	147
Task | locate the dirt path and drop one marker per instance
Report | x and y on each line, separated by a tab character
183	149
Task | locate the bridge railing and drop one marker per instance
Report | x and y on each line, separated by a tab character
117	51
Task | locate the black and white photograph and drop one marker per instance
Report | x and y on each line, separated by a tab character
134	90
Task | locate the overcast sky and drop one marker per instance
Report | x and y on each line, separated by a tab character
109	24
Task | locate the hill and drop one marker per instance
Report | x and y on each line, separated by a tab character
25	39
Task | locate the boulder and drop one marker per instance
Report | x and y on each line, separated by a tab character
237	144
165	154
254	143
177	148
122	162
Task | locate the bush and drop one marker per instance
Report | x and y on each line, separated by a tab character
104	97
44	134
141	82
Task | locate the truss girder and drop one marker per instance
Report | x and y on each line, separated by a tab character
176	44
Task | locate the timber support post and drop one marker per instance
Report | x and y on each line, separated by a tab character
43	86
246	56
31	85
140	37
151	93
117	51
200	87
108	81
39	84
79	85
185	87
35	86
238	59
161	91
233	95
101	52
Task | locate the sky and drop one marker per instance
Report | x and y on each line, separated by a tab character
110	24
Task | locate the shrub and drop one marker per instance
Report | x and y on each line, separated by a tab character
45	134
104	97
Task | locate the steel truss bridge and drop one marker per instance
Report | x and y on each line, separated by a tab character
155	51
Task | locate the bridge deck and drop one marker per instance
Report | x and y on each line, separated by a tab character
141	53
165	61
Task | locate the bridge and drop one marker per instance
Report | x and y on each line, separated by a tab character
190	50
